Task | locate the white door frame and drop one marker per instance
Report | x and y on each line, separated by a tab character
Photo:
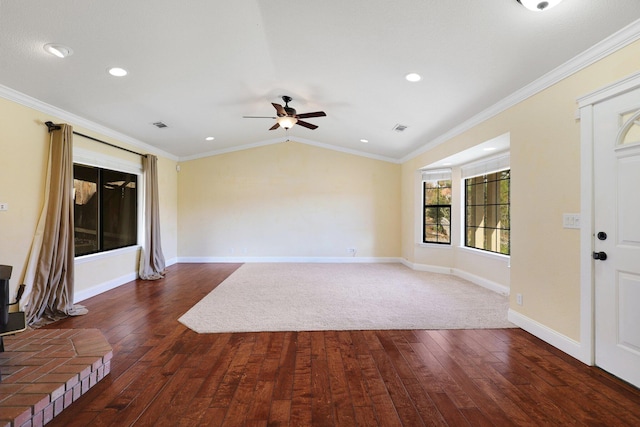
587	206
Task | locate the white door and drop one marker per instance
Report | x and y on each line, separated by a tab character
617	235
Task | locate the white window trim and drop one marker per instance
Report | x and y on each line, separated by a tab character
91	158
496	163
430	175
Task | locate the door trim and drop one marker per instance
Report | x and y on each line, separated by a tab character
587	206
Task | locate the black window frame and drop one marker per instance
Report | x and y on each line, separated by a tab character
439	208
501	206
109	224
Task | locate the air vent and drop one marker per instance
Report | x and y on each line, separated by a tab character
159	125
399	128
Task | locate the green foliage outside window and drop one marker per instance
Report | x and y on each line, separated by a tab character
437	212
487	212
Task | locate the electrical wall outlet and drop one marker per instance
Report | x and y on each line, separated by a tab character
519	299
4	206
351	251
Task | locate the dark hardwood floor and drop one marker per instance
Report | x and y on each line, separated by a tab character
165	374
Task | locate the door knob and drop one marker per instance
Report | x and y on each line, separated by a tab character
600	255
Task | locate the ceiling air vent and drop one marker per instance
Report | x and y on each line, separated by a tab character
399	128
159	125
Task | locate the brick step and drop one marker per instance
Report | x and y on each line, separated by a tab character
45	370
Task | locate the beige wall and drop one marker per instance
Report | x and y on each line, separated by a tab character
288	200
545	183
24	148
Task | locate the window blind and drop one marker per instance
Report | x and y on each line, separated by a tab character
436	174
486	166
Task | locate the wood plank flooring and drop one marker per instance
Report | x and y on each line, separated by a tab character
164	374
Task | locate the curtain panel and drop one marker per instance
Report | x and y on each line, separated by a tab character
152	262
50	269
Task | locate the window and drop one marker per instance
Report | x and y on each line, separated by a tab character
436	226
487	212
105	209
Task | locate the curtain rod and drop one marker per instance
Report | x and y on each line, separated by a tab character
52	126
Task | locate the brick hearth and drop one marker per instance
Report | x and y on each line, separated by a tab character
45	370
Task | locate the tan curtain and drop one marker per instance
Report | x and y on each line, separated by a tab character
49	276
152	264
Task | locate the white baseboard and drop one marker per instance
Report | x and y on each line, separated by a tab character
556	339
103	287
477	280
111	284
426	267
481	281
328	260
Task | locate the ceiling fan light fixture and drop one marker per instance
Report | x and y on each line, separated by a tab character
538	5
58	50
287	122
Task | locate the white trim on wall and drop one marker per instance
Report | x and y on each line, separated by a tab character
103	287
550	336
481	281
328	260
587	301
292	139
426	267
105	161
109	285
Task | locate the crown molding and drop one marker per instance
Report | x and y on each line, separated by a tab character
290	139
233	149
43	107
606	47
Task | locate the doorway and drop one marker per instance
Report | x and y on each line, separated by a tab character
611	235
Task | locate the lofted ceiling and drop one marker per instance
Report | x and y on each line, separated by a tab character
199	66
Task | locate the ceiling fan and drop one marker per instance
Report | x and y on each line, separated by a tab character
287	116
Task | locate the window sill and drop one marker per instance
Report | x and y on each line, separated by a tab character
434	246
105	255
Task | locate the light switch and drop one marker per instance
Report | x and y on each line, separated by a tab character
4	206
571	220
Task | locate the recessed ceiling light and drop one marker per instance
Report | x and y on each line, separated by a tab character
58	50
413	77
447	164
489	148
118	72
364	140
209	138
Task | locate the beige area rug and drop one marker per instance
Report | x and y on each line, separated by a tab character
315	297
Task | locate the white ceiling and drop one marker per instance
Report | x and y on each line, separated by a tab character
200	65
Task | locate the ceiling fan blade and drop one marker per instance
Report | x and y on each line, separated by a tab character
259	117
314	114
279	108
306	124
274	127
